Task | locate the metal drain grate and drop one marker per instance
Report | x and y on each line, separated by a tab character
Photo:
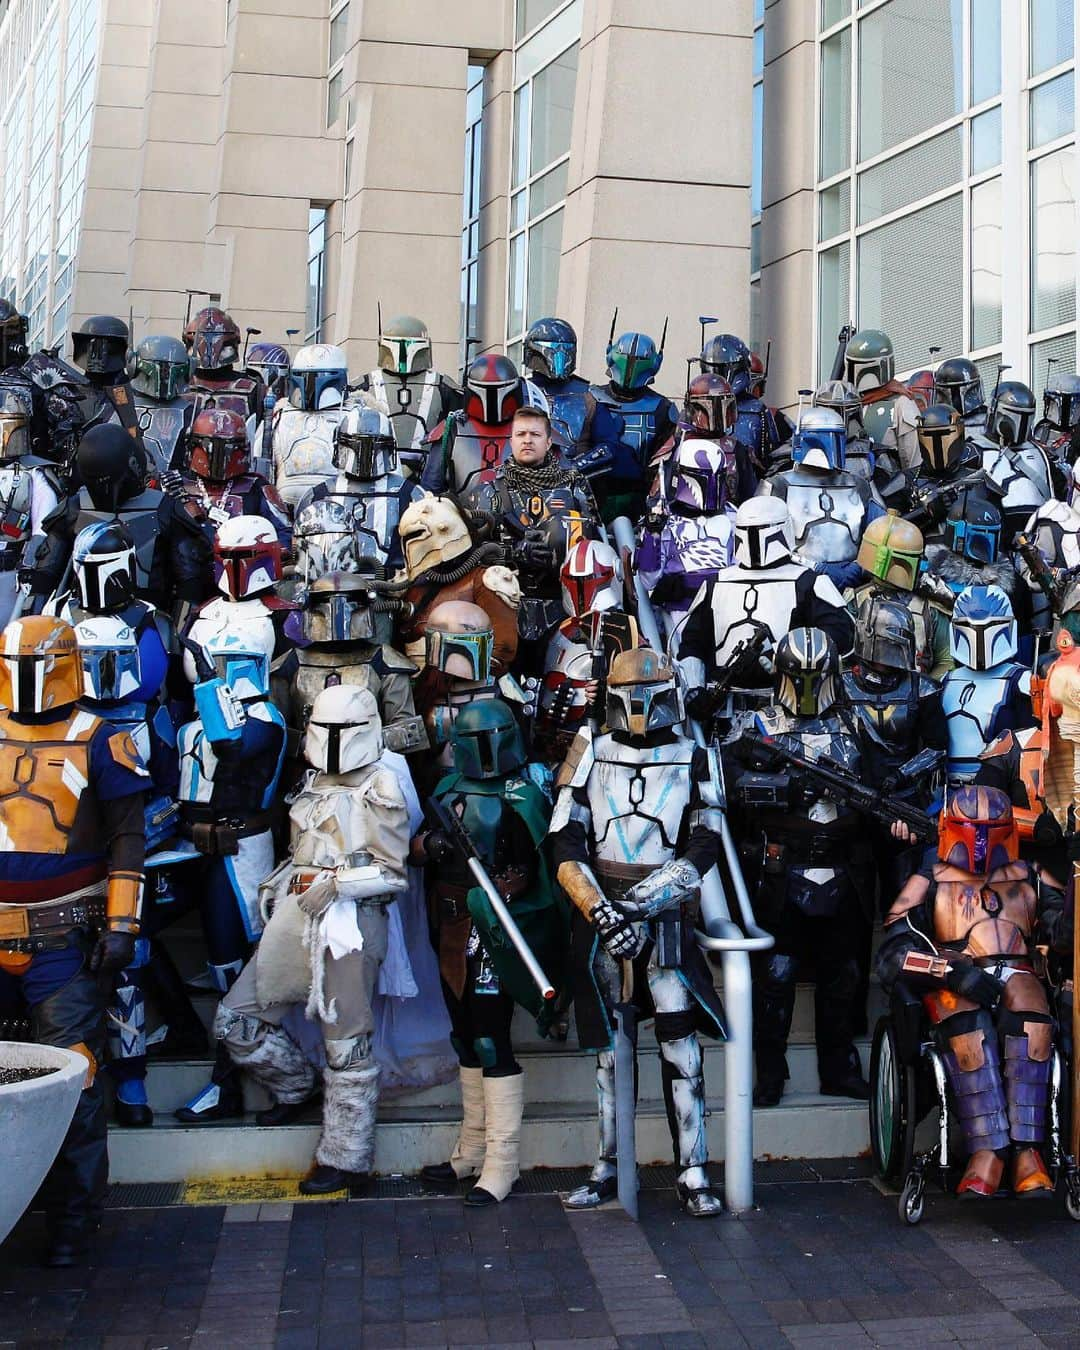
147	1195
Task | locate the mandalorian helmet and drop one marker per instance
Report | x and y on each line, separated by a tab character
940	434
709	407
215	340
364	445
247	557
405	346
109	657
319	378
699	477
591	579
891	549
339	607
885	635
642	693
13	344
842	399
486	740
269	362
550	349
99	347
345	730
729	357
16	421
459	640
103	560
807	672
39	666
758	376
973	527
982	631
869	362
633	362
493	389
977	831
217	447
820	441
241	660
763	533
958	383
160	368
1012	411
1061	401
112	466
433	533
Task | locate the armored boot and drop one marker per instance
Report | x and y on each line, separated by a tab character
684	1100
221	1099
346	1148
603	1181
468	1156
504	1101
1027	1086
185	1036
973	1068
839	1068
774	1004
125	1023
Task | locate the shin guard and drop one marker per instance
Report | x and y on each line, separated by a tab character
973	1067
1027	1087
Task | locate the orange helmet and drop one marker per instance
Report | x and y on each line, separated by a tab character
977	831
39	665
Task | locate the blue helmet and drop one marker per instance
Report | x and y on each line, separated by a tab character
633	361
982	633
973	527
550	349
820	439
729	357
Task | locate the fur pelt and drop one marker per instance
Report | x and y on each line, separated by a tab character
271	1057
350	1101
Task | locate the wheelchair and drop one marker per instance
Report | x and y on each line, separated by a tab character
907	1081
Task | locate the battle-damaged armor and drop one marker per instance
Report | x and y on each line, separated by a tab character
302	425
549	354
889	410
404	384
354	514
634	830
761	430
962	933
219	477
876	463
159	378
71	860
890	556
213	339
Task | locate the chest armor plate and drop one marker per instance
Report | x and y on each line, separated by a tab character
15	497
314	674
638	796
162	426
977	709
328	825
990	916
642	421
334	532
413	404
476	453
695	549
41	782
827	518
1021	474
568	410
890	715
744	600
303	447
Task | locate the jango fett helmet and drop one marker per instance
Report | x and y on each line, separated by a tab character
109	657
977	831
242	659
103	560
633	362
591	578
39	666
404	346
1061	401
885	635
982	630
247	557
729	357
869	361
339	607
16	421
13	345
958	383
112	465
709	407
1012	412
550	349
643	695
99	346
843	399
820	440
459	641
345	730
807	672
973	527
763	533
319	378
160	368
364	445
891	549
940	434
217	447
215	339
486	740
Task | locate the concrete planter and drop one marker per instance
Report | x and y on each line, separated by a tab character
34	1117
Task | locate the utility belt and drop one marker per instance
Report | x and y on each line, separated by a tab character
218	836
45	926
815	850
616	878
1001	966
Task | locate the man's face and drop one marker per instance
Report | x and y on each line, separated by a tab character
530	441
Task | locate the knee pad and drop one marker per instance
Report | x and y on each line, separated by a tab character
960	1035
675	1026
464	1051
484	1049
353	1053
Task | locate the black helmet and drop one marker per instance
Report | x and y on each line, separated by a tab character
958	382
1061	401
729	357
100	346
13	348
1012	411
112	465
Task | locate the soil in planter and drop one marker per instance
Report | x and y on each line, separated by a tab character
21	1075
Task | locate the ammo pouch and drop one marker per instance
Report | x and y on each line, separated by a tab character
215	841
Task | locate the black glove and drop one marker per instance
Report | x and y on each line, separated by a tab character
112	952
618	934
437	846
971	981
536	555
700	704
1047	833
172	482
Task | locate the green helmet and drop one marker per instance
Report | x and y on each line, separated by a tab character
486	740
868	360
405	345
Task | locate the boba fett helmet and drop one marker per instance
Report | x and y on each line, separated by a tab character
404	345
891	549
869	360
486	740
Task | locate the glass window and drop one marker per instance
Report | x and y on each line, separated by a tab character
553	109
545	248
759	51
986	264
919	172
532	12
835	104
472	200
333	99
1053	234
1060	350
833	303
985	49
338	25
832	11
518	211
834	207
755	247
910	71
758	150
521	134
316	273
1051	35
549	189
986	140
515	320
1051	110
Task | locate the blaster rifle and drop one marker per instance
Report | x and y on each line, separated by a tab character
929	506
842	339
1039	568
744	656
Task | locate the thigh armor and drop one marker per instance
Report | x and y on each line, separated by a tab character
827	512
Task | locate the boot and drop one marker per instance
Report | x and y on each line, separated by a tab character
683	1083
771	1077
504	1100
185	1037
841	1074
131	1107
221	1099
1029	1175
284	1113
774	1003
350	1101
468	1156
325	1180
603	1183
982	1177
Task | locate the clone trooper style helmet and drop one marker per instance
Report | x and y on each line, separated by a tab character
1061	401
699	479
973	527
112	465
493	388
247	557
459	641
215	340
868	360
16	419
109	657
807	672
729	357
1012	411
982	631
633	362
218	446
242	659
763	533
642	693
364	445
339	607
103	560
486	740
977	830
269	362
819	440
842	398
99	347
550	349
958	383
319	378
885	635
940	434
39	666
891	550
13	348
160	368
345	730
405	346
433	533
709	406
591	578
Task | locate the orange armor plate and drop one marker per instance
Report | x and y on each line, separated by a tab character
41	782
992	916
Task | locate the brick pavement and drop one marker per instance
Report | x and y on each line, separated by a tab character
824	1263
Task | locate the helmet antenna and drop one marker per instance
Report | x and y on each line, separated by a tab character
611	335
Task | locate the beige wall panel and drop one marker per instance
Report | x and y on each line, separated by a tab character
787	296
119	127
311	167
788	226
480	25
135	13
110	168
103	250
419	161
378	210
172	215
187	118
128	45
788	23
789	103
185	69
180	262
275	105
673	213
264	44
264	212
408	64
97	293
199	23
268	267
165	166
121	86
105	204
690	16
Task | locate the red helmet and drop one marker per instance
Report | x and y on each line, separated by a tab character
757	375
218	445
215	340
590	578
247	557
977	830
921	388
710	405
494	389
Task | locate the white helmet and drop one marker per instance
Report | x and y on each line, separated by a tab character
345	731
247	557
242	659
109	657
364	445
763	533
319	378
591	578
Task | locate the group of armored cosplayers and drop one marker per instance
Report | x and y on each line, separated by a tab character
350	672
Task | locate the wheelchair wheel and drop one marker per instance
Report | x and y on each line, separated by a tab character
912	1200
1071	1195
892	1105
